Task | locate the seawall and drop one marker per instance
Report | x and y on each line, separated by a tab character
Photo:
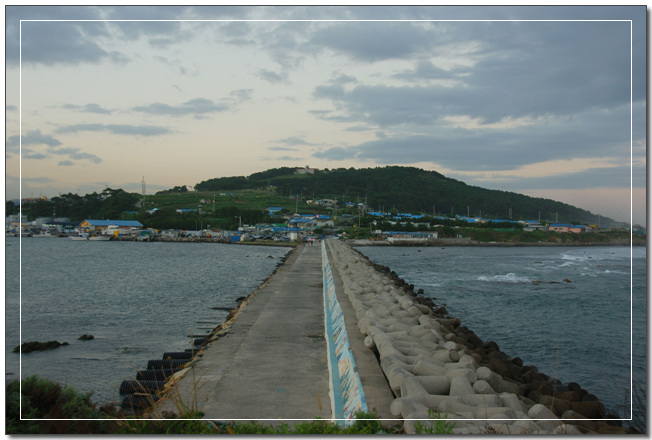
434	365
270	359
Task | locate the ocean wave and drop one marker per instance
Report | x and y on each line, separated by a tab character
510	278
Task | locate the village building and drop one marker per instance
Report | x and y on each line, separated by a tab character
306	170
532	225
559	227
103	226
409	237
578	229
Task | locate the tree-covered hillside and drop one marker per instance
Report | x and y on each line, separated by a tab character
407	189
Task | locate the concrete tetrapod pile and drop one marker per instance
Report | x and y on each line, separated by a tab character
432	370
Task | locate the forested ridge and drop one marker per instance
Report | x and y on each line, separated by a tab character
227	201
406	189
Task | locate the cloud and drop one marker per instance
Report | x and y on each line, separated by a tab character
373	41
40	180
282	149
337	153
31	154
196	107
285	158
75	154
66	163
242	95
33	137
72	45
122	129
273	77
426	70
293	141
88	108
591	178
37	43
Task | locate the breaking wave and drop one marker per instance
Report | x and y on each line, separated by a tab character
510	278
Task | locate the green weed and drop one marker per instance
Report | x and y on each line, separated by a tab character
437	425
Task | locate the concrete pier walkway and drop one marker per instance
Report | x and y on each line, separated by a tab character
272	363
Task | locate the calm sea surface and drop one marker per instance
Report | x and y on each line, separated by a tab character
570	311
138	300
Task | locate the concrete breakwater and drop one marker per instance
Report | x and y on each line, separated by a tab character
437	367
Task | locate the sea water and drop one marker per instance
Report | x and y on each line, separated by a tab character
138	300
576	313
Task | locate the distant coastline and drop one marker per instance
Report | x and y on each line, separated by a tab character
454	242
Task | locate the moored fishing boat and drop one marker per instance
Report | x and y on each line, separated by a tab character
87	237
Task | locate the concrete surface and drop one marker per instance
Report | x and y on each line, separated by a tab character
272	363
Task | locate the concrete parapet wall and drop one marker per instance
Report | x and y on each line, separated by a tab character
347	395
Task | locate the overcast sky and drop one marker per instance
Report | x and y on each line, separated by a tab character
545	101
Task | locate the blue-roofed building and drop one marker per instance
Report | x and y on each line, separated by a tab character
101	225
578	229
376	214
559	227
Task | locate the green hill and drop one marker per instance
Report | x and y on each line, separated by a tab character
406	189
227	202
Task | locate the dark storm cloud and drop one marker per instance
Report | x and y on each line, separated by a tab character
124	129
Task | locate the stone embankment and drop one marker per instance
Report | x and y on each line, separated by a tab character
438	368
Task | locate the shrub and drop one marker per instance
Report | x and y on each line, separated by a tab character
44	399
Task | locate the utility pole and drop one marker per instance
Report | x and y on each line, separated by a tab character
142	203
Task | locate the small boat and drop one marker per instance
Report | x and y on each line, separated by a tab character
45	234
99	238
86	237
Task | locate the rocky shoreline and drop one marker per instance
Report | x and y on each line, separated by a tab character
434	365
